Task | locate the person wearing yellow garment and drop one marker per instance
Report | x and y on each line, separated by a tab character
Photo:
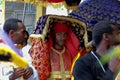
17	33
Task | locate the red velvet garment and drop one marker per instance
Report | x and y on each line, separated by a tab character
60	64
40	57
60	27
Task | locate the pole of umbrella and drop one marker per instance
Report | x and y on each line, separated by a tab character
3	12
23	17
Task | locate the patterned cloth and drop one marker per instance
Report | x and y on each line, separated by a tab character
40	25
40	57
92	11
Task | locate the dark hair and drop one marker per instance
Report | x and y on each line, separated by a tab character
99	29
11	24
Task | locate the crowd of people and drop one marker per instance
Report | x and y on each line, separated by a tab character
105	36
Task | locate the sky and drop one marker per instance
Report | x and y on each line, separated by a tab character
58	11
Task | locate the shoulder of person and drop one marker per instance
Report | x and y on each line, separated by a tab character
86	58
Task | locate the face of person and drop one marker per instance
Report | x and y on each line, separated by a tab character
20	36
60	38
115	37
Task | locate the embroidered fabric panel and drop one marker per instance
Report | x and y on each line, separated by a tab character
92	11
40	57
60	65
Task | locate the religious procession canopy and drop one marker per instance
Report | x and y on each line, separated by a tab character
69	4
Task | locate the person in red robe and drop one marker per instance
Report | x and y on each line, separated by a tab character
54	48
59	53
60	56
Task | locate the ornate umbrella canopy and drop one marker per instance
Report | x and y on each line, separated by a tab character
45	23
92	11
70	4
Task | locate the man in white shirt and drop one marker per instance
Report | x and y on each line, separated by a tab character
17	32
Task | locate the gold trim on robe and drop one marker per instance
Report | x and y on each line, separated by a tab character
61	62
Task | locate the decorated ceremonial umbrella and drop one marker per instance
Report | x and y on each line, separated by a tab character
92	11
71	4
41	37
